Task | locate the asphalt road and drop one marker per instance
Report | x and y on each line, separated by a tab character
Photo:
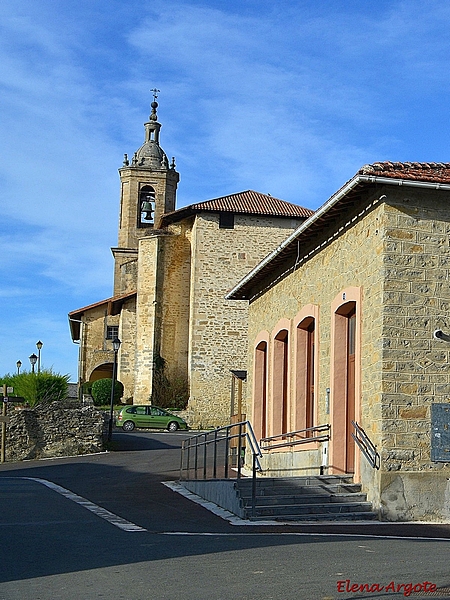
104	526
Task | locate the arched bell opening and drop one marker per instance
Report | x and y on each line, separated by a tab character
146	206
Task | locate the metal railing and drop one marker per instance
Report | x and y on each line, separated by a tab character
320	433
218	453
366	446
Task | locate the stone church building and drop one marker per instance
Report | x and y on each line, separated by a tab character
173	268
349	323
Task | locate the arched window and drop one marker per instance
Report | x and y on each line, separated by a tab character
260	391
305	373
280	382
146	206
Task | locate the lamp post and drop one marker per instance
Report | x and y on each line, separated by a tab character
18	365
33	359
39	345
116	345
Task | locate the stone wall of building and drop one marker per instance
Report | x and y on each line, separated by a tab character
351	259
415	365
397	253
417	302
175	263
218	327
126	357
56	429
149	251
97	350
125	272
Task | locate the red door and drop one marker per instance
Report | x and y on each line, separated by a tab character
350	409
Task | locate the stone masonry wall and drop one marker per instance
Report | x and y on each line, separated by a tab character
126	356
218	327
353	258
416	302
398	253
415	365
174	299
53	430
97	350
149	250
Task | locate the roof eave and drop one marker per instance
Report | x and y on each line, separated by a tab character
113	304
239	291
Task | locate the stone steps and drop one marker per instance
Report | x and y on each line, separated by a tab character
328	498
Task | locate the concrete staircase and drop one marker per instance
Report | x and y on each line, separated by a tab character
311	498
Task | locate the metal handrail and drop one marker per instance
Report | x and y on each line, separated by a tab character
221	435
304	439
217	436
366	446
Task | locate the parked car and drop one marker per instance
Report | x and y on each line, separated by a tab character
141	415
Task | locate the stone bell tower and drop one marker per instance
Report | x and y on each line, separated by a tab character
148	190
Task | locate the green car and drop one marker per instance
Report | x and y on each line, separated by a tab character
141	415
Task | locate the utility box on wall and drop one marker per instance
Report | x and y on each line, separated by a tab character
440	433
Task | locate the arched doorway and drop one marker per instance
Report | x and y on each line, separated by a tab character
345	394
102	372
280	382
305	373
260	391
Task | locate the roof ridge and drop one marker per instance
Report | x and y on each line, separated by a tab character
402	166
234	194
246	202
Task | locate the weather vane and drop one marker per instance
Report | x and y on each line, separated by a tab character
155	93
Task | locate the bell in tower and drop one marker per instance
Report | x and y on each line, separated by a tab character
147	202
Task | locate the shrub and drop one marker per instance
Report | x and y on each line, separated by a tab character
101	391
86	388
38	388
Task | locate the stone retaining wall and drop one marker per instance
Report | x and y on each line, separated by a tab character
56	429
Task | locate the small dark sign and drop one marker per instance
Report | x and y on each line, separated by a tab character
440	433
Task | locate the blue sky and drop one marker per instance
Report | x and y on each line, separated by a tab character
287	98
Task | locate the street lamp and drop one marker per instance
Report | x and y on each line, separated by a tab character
116	345
18	365
33	359
39	345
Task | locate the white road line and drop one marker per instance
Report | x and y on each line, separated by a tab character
233	519
94	508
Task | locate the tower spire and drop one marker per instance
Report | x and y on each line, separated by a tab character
154	105
150	155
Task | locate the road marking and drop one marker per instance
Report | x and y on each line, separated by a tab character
94	508
233	519
304	534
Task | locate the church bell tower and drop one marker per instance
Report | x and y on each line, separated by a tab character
148	191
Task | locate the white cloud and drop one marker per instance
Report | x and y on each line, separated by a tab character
287	98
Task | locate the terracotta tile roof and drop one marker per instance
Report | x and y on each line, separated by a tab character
113	306
433	172
248	202
107	301
254	203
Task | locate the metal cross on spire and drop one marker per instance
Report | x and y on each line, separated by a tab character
155	93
